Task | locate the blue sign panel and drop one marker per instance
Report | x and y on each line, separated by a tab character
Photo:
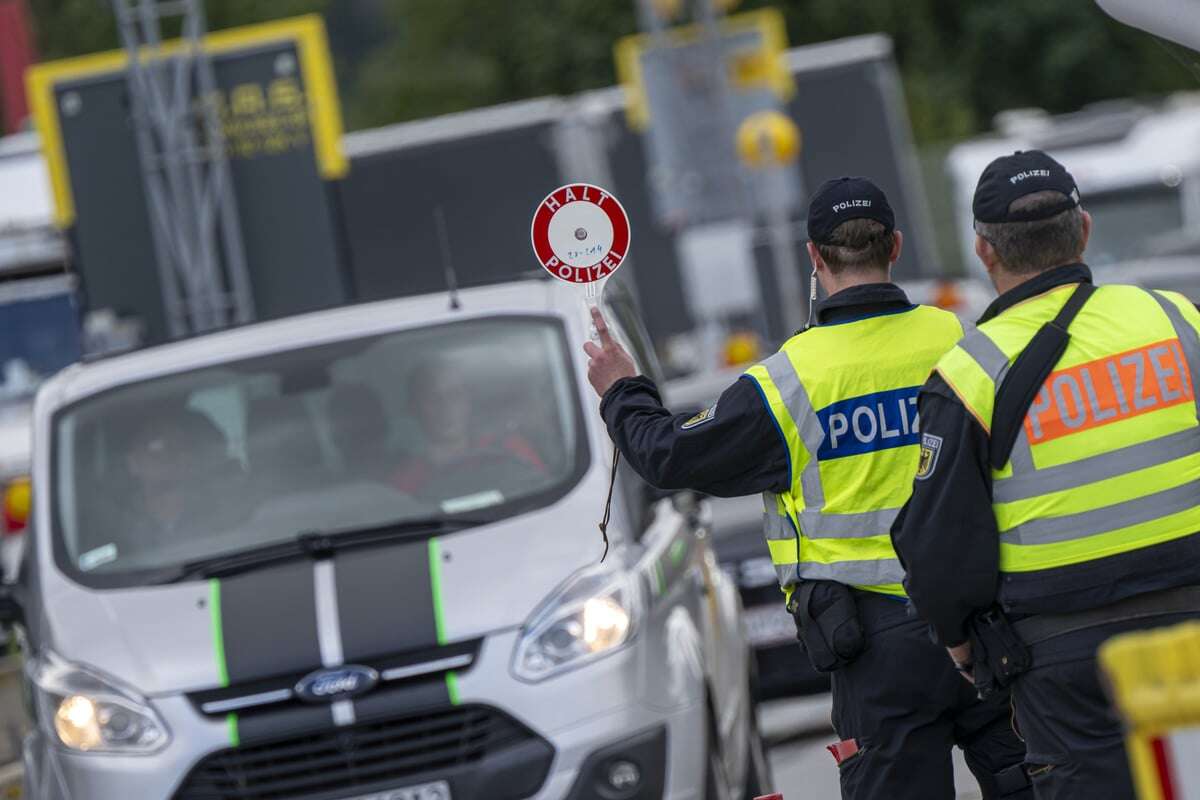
870	422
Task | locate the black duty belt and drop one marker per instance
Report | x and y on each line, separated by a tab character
1042	627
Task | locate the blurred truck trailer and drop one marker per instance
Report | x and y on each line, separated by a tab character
484	171
1138	170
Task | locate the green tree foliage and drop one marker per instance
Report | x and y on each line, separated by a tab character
65	28
962	60
453	54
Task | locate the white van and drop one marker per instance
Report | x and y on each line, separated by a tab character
353	555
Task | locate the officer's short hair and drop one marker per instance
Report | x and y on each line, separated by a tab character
858	244
1030	247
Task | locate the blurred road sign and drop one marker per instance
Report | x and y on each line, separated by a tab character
753	46
580	233
277	103
690	88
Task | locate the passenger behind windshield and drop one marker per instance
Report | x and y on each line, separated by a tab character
457	440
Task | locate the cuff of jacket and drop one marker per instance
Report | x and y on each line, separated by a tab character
619	388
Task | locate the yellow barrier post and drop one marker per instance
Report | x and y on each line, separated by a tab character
1154	681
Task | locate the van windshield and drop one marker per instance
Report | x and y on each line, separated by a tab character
477	419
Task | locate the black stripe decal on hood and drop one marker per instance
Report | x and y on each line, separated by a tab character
269	622
393	701
386	600
258	726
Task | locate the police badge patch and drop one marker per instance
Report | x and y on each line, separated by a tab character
701	418
931	447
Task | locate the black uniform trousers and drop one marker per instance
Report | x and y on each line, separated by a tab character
1075	742
907	707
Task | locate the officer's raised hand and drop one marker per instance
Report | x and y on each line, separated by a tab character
607	362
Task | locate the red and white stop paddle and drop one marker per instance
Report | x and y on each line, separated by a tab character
580	234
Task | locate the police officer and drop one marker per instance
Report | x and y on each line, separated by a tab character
1028	558
826	429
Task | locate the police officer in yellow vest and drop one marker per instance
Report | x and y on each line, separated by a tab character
827	430
1058	496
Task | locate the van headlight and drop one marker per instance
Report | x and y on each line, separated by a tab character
593	614
88	713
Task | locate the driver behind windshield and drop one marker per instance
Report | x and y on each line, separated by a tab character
443	403
180	472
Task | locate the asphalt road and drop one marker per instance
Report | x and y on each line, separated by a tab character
798	730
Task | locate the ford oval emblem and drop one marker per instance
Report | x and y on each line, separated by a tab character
336	683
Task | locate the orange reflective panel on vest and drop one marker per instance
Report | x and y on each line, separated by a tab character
1110	389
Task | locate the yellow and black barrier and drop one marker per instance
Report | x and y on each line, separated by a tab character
1154	680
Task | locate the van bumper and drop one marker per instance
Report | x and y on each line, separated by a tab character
634	706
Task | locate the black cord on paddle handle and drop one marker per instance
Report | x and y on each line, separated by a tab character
612	481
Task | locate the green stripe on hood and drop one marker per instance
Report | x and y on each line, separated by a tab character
435	583
218	631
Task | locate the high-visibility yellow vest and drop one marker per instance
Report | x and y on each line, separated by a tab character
1108	458
845	399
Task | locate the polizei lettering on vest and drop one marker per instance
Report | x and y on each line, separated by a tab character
870	422
1108	390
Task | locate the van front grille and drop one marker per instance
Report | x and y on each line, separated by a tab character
338	761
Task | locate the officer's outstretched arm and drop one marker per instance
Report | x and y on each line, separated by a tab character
730	448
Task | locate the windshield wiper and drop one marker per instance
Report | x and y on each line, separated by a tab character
315	545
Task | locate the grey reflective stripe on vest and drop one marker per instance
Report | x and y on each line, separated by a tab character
1023	485
1188	338
795	397
987	354
1108	518
813	522
1021	456
787	574
776	526
872	572
818	525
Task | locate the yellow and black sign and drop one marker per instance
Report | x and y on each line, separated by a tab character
276	102
256	111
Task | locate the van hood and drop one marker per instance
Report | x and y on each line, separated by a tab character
288	619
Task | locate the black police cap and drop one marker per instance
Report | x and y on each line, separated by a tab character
1010	178
843	199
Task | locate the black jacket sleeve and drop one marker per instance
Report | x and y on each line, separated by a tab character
946	534
732	448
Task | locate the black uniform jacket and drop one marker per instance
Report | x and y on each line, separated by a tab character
947	538
734	447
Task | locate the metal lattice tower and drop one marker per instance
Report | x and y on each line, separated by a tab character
189	190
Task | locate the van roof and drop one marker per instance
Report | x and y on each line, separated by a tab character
345	322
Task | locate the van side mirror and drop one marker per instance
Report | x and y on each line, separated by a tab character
689	503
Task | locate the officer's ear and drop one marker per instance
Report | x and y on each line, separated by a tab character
1087	233
814	255
986	253
897	247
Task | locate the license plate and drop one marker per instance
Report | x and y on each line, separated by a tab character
438	790
769	625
